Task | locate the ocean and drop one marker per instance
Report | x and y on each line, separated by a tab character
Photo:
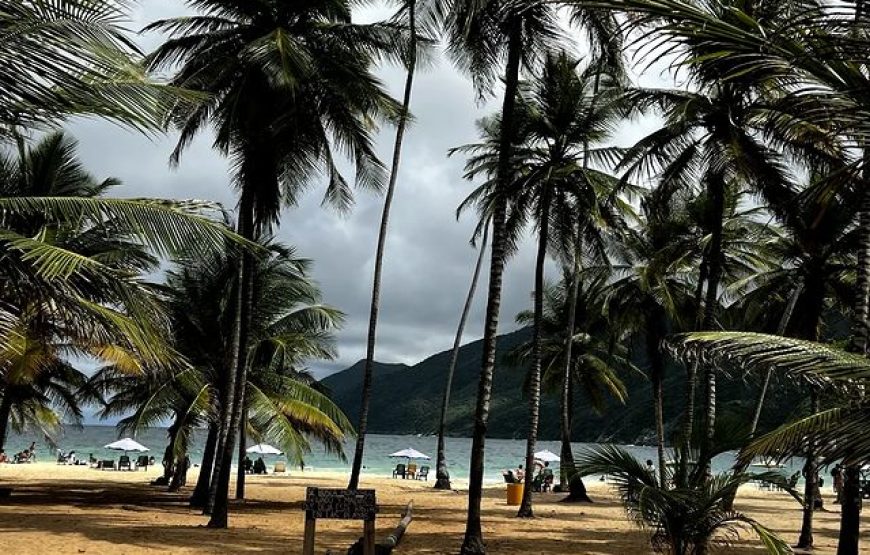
500	453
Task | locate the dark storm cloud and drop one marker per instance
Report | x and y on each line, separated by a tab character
429	261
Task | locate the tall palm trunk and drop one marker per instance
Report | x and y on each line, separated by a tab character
850	515
780	330
811	484
356	468
224	411
240	457
692	368
654	336
525	510
223	461
443	475
200	492
717	197
5	411
472	543
566	455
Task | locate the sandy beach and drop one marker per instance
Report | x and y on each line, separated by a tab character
66	509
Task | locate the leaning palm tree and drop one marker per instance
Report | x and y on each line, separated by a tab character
285	85
442	475
414	49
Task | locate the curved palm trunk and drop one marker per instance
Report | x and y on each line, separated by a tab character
443	475
654	337
566	456
816	316
200	492
525	510
240	466
472	543
717	197
223	461
356	467
781	329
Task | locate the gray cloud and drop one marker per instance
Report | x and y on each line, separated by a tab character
429	261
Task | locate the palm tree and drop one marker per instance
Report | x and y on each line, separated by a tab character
442	474
481	36
71	269
566	111
74	57
289	326
834	434
408	12
651	290
684	519
596	357
285	83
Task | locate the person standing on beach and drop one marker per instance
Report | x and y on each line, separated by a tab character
837	475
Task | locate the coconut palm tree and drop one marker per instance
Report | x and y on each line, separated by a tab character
833	434
567	110
71	276
285	84
442	474
596	357
651	289
289	326
74	57
482	36
414	49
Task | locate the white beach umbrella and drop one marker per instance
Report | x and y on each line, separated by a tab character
409	454
769	463
264	449
547	456
125	445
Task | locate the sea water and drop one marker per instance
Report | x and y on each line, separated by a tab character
500	453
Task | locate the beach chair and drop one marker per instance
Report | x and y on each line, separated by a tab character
280	467
124	462
399	471
142	462
423	474
412	470
106	464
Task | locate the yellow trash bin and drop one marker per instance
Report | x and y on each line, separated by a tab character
514	494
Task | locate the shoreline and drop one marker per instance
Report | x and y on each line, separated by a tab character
77	509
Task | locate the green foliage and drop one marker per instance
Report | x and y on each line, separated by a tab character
686	518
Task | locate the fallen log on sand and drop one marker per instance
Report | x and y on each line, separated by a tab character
389	543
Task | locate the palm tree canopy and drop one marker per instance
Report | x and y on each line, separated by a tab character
288	85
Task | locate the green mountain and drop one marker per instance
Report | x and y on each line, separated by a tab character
407	399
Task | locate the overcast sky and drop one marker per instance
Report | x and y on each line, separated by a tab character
428	258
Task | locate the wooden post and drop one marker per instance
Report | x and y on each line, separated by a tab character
310	525
369	537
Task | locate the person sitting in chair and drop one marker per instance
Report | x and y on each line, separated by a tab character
259	466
